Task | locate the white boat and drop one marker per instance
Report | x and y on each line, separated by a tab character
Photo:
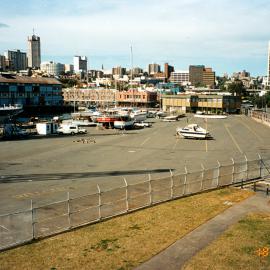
193	131
9	111
170	118
210	116
124	122
138	116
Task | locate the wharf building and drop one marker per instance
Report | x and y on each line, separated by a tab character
207	103
30	91
109	97
101	97
136	98
16	60
33	54
199	75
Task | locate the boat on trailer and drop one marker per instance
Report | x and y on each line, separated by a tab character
193	131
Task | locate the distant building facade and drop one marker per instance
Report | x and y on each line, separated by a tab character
209	77
168	70
16	60
201	76
52	68
135	97
69	68
268	65
2	63
120	71
89	96
180	77
80	63
33	54
153	69
30	91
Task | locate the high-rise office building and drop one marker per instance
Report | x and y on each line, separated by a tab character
16	60
209	77
196	75
168	70
180	77
33	54
268	67
118	71
2	63
201	76
80	63
153	69
52	68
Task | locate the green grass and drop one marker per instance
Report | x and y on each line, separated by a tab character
122	242
238	248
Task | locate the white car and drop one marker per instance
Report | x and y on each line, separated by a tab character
71	129
142	124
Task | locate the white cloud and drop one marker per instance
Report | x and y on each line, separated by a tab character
162	29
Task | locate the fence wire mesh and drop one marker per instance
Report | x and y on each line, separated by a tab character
41	221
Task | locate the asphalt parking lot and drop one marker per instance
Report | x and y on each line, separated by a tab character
45	169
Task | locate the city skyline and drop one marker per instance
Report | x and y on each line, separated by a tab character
228	36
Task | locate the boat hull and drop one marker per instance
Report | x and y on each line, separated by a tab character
123	124
190	135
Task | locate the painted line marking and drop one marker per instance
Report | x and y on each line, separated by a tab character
175	144
233	139
249	128
147	139
1	226
131	151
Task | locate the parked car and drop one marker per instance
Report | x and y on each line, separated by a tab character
71	129
142	124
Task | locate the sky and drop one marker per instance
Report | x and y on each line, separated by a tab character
227	35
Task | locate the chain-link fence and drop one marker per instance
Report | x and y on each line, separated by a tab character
41	221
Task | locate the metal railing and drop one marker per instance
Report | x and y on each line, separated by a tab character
38	222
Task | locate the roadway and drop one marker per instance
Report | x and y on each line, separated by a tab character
45	169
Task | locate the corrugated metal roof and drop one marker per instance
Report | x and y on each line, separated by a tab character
8	78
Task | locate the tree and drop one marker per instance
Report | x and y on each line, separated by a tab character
237	88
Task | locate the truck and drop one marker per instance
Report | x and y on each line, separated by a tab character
71	129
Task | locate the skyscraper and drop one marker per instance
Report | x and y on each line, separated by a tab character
80	63
153	68
33	53
268	65
16	60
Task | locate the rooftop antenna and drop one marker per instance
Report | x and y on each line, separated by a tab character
33	31
131	62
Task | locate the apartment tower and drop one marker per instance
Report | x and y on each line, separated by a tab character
33	53
268	65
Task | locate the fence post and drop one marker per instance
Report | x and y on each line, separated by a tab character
219	165
202	176
171	183
233	170
32	220
185	183
150	189
68	209
99	202
261	165
246	167
127	206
